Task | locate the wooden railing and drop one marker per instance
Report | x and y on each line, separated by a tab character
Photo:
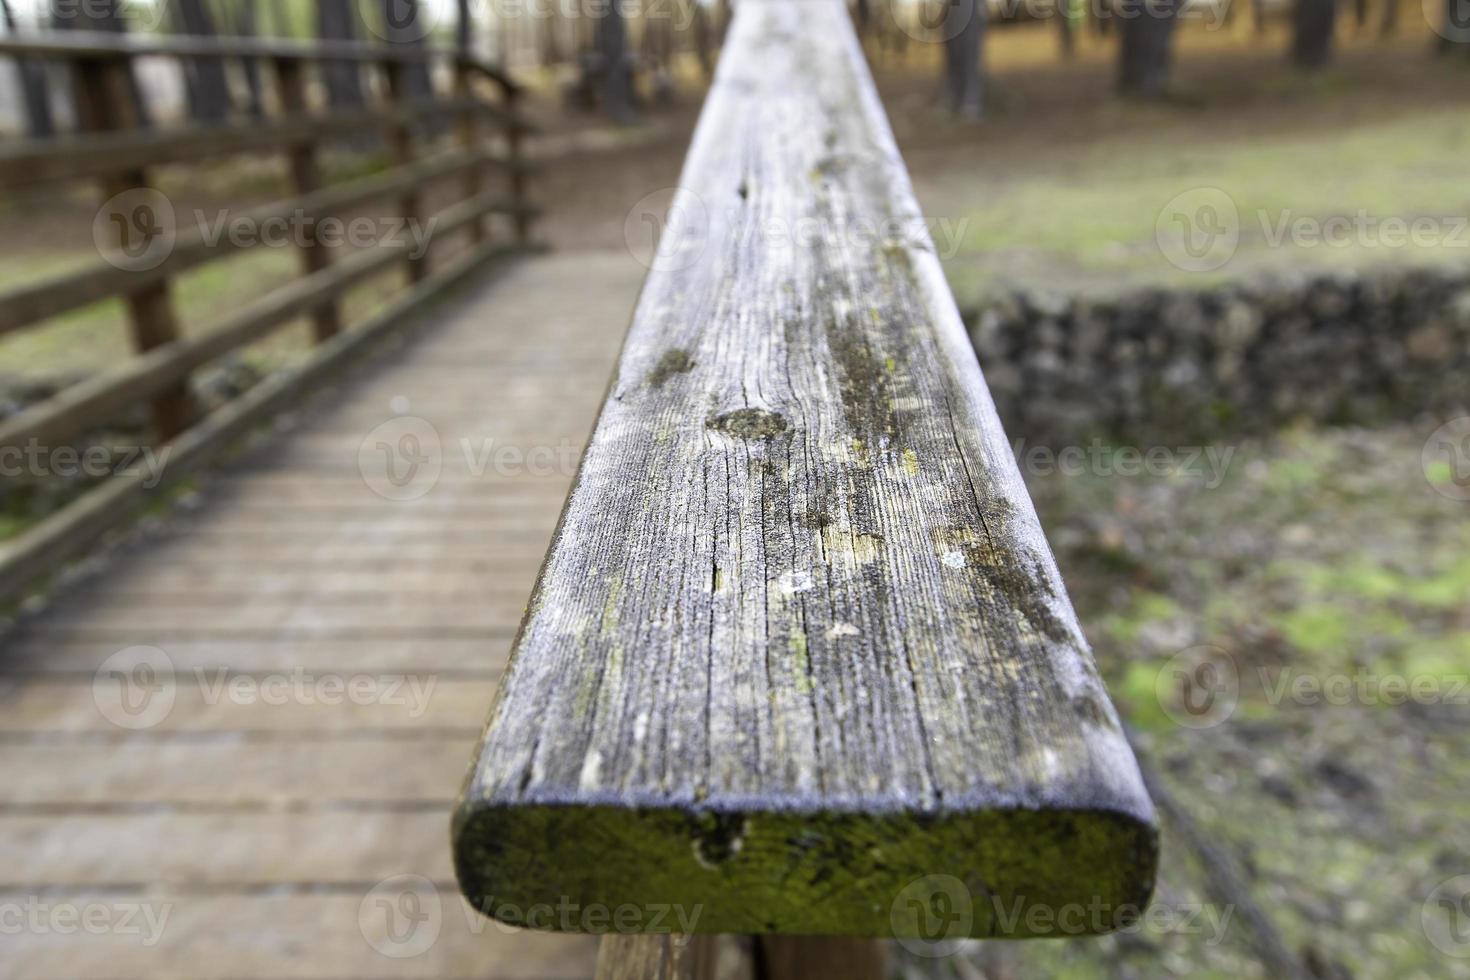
800	662
486	165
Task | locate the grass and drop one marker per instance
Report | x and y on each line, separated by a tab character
1097	214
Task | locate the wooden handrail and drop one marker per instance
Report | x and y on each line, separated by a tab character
116	152
67	534
32	303
80	45
96	399
799	660
25	163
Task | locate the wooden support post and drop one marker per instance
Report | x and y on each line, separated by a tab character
469	138
657	957
104	102
401	150
820	957
727	957
518	194
306	176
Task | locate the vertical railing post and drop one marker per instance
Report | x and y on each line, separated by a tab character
522	214
306	176
104	101
469	138
401	151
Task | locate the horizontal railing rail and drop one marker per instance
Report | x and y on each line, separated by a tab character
799	661
82	45
27	163
25	306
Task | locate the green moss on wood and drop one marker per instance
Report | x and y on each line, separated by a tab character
750	423
673	362
804	873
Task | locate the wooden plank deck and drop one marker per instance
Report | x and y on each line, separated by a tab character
249	830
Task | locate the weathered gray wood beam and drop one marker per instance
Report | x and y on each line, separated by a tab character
800	659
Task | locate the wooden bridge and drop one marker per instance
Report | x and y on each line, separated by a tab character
798	645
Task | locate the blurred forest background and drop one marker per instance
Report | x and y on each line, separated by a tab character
1176	237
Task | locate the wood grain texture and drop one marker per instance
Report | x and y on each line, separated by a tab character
822	958
799	643
666	957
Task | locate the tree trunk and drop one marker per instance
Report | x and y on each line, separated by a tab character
548	40
704	40
102	15
1145	47
207	89
403	23
1313	21
247	26
964	33
611	40
1065	34
657	55
1389	25
343	78
464	28
39	122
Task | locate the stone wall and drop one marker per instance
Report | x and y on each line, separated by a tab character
1234	358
